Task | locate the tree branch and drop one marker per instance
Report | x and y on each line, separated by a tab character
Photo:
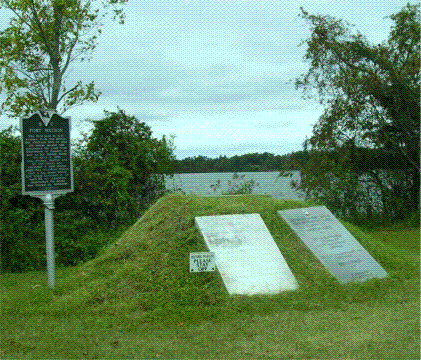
69	53
16	13
67	92
41	30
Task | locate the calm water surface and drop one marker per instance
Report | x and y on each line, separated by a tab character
268	183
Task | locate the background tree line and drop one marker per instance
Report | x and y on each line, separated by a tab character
241	163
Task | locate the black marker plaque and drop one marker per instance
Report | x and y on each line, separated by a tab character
46	159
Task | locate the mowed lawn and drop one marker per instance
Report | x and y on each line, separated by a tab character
378	319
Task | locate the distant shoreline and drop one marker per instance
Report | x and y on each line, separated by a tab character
231	172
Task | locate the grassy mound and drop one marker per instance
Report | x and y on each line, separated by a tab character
146	272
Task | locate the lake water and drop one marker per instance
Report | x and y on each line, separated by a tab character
268	183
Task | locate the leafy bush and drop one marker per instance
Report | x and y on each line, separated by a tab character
237	185
118	171
22	239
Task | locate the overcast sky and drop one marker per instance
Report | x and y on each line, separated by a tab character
216	74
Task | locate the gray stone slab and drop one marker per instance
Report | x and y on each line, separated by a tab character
332	244
247	257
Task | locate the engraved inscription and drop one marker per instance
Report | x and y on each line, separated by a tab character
332	244
225	240
313	222
329	241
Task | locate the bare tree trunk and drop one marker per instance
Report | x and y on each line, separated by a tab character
55	58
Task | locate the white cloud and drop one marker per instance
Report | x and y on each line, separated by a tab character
215	72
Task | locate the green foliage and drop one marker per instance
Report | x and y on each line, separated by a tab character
43	38
237	185
71	227
238	163
372	97
19	215
10	159
119	169
242	163
22	239
118	172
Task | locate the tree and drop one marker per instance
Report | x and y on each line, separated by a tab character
372	98
43	39
119	169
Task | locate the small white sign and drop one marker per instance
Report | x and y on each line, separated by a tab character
202	261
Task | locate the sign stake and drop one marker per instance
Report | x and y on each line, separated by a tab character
49	238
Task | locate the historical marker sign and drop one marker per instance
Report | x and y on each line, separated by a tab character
46	158
247	257
46	168
202	261
332	244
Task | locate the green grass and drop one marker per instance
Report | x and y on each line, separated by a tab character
138	299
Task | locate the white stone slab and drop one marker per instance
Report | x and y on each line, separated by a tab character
332	244
247	257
